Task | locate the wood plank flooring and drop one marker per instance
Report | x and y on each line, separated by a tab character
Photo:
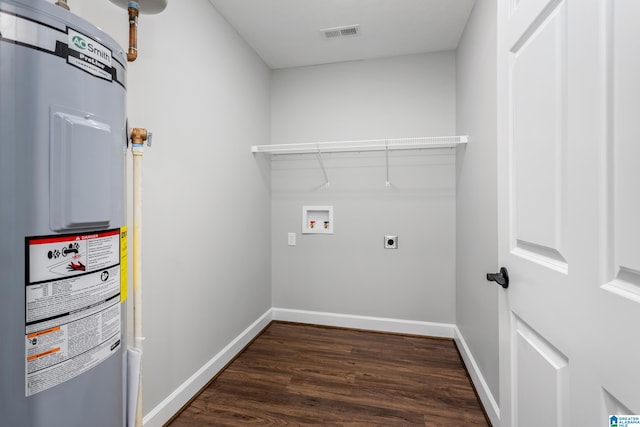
295	374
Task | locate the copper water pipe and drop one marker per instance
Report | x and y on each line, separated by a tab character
138	135
132	53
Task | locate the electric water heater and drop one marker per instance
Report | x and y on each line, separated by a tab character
63	139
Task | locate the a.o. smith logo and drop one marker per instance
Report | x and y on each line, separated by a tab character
79	42
89	47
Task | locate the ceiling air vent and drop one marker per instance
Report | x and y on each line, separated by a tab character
339	32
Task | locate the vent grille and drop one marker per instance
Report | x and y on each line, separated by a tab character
353	31
331	34
339	32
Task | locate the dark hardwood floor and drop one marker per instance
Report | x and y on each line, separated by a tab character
295	374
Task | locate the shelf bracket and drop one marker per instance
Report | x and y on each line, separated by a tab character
386	149
324	170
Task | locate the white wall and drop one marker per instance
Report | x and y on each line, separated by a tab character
350	272
403	96
476	224
205	96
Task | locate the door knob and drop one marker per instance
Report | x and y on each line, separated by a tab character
501	278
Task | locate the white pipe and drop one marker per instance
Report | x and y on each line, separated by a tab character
137	266
137	149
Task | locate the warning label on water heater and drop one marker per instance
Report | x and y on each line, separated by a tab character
72	311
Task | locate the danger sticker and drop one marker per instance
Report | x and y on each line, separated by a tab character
56	257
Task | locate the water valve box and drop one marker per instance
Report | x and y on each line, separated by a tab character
317	220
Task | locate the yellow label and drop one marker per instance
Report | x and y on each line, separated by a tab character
123	264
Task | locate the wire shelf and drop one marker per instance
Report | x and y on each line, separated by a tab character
363	145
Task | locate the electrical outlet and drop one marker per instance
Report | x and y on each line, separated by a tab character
291	239
391	242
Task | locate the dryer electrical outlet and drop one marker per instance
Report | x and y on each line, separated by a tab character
390	242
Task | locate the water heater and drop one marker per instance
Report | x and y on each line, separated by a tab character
63	139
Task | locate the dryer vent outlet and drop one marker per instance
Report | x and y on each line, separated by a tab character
391	242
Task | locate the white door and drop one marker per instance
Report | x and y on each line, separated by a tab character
569	199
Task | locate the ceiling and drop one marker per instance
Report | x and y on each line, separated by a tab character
286	33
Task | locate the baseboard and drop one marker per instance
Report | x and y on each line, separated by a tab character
162	413
381	324
484	393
